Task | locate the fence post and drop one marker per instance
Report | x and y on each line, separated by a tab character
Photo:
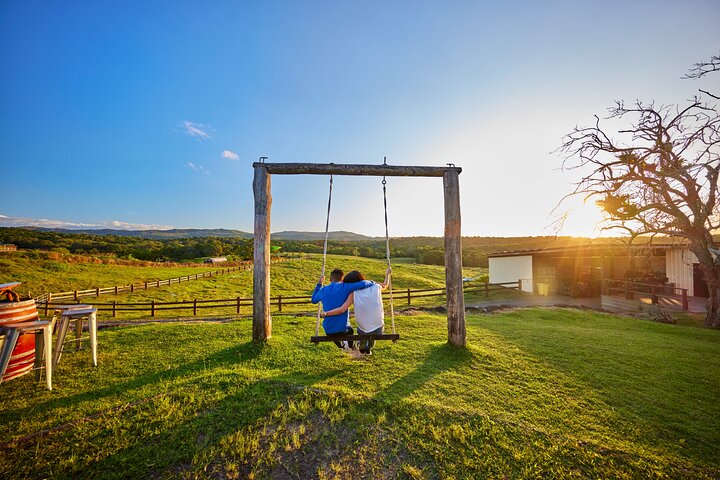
158	284
152	309
408	296
132	288
238	305
145	285
279	303
47	304
97	291
520	290
686	304
115	289
114	307
487	293
76	296
194	307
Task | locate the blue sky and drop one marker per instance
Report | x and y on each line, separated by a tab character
151	113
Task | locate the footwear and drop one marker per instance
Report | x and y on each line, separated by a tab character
366	352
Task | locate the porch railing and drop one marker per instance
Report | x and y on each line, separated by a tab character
656	292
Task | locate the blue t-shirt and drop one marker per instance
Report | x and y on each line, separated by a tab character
333	296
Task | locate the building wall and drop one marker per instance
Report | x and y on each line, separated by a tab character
546	270
511	269
679	268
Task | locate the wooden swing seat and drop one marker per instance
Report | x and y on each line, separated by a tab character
340	338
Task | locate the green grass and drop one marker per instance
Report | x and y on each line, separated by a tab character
46	272
288	278
548	393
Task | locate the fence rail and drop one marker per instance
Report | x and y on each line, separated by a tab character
116	289
237	304
657	293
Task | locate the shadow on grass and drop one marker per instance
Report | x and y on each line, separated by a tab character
187	440
440	359
230	356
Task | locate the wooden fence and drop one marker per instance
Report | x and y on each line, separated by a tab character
666	295
75	295
7	247
237	305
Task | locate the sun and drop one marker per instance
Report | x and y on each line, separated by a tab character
584	219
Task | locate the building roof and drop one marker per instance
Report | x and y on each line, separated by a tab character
608	249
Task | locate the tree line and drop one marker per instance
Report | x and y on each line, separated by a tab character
426	250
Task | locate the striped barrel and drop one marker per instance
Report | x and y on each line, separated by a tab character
22	359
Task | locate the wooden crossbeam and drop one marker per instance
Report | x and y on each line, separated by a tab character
340	338
365	170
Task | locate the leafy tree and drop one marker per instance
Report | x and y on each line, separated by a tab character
658	175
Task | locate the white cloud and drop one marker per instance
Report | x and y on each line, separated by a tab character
230	155
197	130
7	221
197	168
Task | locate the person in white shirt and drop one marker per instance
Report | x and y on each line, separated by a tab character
369	311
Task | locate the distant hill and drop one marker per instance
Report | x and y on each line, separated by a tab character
340	236
156	234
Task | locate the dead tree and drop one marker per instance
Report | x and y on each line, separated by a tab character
658	177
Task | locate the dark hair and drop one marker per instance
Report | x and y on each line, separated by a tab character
353	277
336	275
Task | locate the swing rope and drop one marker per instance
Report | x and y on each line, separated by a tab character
327	226
387	252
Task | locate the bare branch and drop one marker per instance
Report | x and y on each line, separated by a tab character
703	68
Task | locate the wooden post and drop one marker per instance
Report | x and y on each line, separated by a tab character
47	303
194	307
132	288
145	285
152	309
76	295
238	306
114	307
453	260
262	324
686	304
408	296
97	291
115	289
487	294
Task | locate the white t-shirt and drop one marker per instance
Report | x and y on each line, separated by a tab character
369	313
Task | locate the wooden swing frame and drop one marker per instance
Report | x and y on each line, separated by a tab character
262	321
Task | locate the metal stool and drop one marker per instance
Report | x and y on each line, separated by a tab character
78	315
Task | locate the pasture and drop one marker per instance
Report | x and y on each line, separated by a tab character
537	393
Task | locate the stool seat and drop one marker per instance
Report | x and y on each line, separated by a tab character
26	327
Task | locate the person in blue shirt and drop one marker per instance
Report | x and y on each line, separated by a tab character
332	296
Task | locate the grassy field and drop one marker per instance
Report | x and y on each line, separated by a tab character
538	393
45	272
288	278
40	274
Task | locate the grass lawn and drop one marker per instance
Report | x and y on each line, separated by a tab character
537	393
40	274
288	278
